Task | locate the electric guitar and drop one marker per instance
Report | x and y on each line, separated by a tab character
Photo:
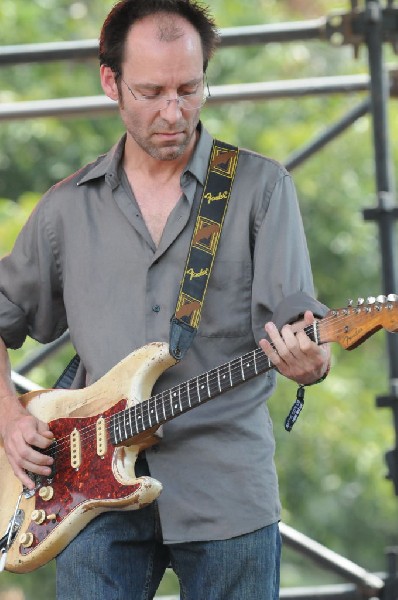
100	430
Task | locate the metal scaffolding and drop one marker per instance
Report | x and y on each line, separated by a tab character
372	24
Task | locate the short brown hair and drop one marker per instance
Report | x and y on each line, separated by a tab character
127	12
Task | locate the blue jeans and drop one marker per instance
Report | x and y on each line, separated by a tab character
120	556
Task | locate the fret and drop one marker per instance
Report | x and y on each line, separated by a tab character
255	362
208	385
224	378
150	411
236	375
241	368
201	387
156	410
135	419
127	427
194	397
249	366
180	399
164	405
119	433
173	398
123	425
115	429
230	375
140	419
130	423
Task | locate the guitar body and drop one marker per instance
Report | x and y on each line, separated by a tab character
91	475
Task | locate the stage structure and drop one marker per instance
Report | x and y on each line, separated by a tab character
369	23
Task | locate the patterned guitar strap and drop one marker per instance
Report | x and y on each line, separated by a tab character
203	248
207	231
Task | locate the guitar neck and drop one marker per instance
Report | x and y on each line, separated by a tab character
173	402
349	326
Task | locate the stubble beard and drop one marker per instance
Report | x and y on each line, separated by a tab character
165	152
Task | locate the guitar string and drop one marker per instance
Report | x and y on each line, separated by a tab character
88	432
235	364
182	398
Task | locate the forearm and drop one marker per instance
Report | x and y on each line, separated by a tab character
9	404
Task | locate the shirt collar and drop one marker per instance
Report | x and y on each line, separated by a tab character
107	165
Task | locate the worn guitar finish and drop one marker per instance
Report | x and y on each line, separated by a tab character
99	431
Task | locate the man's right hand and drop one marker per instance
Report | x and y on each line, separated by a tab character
23	436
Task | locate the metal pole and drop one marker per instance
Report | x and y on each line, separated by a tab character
385	213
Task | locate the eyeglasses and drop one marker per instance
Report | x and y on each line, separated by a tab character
157	102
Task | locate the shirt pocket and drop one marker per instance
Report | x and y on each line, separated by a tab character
227	304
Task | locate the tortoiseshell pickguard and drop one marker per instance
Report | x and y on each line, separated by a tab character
93	480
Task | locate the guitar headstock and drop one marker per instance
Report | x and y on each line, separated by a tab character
352	325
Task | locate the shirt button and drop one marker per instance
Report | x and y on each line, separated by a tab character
156	308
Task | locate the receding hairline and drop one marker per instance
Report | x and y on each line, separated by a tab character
169	27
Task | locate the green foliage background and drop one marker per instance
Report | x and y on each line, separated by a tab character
332	469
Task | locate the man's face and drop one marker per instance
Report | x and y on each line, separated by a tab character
167	67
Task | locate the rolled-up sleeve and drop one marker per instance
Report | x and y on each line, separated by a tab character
31	300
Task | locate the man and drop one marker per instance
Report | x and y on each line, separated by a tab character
104	254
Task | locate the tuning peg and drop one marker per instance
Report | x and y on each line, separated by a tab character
392	297
370	300
382	299
360	301
350	302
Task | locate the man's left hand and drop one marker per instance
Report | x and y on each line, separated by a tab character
294	354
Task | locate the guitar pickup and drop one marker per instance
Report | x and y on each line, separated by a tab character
75	449
102	445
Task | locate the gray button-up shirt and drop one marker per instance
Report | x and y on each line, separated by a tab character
85	260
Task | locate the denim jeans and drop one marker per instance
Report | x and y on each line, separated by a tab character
120	556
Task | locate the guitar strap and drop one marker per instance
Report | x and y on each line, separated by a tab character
203	248
200	259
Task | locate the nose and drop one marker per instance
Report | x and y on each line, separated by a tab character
173	109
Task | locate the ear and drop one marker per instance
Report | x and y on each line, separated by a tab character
108	82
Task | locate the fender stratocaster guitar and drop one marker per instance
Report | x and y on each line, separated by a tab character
99	431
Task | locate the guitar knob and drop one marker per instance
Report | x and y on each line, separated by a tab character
38	516
26	539
46	493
